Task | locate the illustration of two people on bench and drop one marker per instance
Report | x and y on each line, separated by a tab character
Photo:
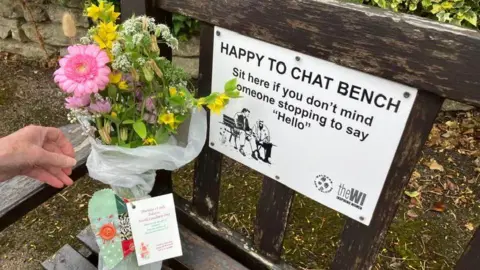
242	133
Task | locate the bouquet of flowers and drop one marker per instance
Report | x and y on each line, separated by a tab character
139	110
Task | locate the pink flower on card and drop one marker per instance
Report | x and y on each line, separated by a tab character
83	71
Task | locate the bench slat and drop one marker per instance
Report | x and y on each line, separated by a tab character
197	253
274	205
471	256
360	244
68	258
22	194
206	187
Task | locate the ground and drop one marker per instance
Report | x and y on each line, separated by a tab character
438	213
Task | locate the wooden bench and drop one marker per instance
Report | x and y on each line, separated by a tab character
231	128
418	52
22	194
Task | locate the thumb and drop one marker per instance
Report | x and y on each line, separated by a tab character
48	158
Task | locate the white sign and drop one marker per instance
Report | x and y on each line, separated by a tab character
326	131
154	229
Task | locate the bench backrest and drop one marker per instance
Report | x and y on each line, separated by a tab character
394	46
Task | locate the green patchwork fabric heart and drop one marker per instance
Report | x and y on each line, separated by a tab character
110	223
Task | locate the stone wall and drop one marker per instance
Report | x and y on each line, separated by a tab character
17	30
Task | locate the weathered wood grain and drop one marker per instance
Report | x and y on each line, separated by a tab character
206	184
471	256
68	258
419	52
226	240
272	216
88	239
22	194
360	244
197	253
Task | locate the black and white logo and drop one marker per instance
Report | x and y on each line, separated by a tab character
351	196
323	183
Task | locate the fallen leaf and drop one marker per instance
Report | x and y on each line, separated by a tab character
452	124
468	131
451	185
411	213
438	207
433	165
477	162
469	226
438	190
416	175
412	194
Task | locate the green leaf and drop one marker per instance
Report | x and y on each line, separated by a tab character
426	3
459	4
412	6
412	194
471	17
381	3
231	85
436	8
128	122
443	16
177	100
140	129
176	27
161	136
148	73
447	5
113	119
112	92
180	118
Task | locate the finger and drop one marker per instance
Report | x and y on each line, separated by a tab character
45	177
55	149
56	136
46	159
59	174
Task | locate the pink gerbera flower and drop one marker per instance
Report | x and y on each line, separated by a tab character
77	102
83	71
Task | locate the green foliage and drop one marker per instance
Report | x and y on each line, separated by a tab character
458	12
184	27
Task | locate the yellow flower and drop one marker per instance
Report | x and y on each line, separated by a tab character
103	43
223	97
123	85
217	106
172	91
115	77
106	34
114	114
112	14
149	141
95	11
109	28
201	102
167	119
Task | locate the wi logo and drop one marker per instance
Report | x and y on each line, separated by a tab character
351	196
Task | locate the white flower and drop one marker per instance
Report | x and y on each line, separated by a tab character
122	63
173	43
160	29
137	38
116	48
141	61
85	40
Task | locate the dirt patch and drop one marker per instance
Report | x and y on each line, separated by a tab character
28	95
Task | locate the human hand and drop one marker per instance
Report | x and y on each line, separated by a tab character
42	153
